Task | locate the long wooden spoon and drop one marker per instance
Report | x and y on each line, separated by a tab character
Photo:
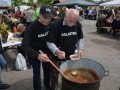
55	66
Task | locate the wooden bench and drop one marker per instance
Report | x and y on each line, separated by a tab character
106	28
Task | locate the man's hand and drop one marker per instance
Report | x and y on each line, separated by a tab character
80	53
43	57
60	54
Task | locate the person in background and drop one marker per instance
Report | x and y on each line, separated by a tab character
35	40
90	14
20	34
94	13
64	40
56	12
21	29
116	24
18	13
6	19
29	15
86	13
2	64
36	12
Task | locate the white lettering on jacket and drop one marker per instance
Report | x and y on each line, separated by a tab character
42	34
69	34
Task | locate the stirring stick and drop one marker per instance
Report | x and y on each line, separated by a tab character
55	66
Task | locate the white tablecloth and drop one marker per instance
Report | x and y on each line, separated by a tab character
11	41
11	44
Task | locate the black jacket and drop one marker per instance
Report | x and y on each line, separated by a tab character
64	37
35	39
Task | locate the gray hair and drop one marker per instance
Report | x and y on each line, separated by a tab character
19	26
71	12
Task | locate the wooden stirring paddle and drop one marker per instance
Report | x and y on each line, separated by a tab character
55	66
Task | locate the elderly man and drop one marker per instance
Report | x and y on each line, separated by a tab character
64	40
21	30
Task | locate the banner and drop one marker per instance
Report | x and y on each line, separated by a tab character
4	3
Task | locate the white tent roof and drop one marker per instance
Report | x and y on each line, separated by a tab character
22	7
111	3
5	3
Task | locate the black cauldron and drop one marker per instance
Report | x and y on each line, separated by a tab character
87	64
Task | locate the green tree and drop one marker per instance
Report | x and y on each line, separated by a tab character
40	1
30	3
20	2
89	0
16	2
47	1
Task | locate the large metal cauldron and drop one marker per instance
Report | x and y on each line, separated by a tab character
87	64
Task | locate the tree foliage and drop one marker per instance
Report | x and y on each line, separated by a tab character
20	2
16	2
90	0
30	2
46	1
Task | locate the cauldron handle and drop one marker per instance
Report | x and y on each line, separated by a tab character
107	72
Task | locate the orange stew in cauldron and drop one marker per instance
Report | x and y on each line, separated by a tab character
84	75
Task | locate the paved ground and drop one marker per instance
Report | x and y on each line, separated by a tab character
103	48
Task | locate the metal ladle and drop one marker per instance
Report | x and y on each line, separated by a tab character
74	73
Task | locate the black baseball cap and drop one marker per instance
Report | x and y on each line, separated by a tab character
46	11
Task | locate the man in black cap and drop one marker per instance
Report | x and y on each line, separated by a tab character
35	40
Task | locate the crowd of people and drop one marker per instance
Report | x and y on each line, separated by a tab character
109	18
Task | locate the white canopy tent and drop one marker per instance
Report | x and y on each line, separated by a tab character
114	3
5	3
22	7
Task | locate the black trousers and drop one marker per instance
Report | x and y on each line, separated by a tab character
36	64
